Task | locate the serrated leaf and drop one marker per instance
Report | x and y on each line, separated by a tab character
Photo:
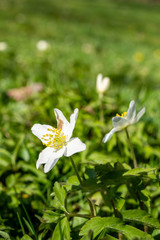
73	180
52	217
60	194
97	224
62	230
140	217
138	171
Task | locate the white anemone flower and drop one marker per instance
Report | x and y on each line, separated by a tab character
127	118
3	46
102	84
42	45
58	140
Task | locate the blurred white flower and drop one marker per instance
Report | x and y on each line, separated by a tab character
3	46
42	45
127	118
102	84
58	140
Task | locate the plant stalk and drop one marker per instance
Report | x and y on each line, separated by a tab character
132	149
76	171
101	109
91	205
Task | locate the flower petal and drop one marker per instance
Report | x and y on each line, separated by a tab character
119	122
44	156
73	146
53	158
73	119
39	130
61	120
99	82
131	113
140	114
108	136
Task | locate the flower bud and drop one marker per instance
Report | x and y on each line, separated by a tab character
102	84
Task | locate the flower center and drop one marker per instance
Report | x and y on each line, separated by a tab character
123	115
55	138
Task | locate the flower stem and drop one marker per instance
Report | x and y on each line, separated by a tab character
131	148
101	109
76	171
91	205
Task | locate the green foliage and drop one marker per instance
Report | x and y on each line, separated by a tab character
26	237
97	224
62	230
140	216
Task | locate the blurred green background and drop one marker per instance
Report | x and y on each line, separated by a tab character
120	39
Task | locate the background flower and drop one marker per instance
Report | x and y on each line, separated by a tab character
127	118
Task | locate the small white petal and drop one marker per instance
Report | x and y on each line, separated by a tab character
119	122
67	127
62	122
44	156
73	119
105	84
131	113
140	114
59	115
102	84
108	136
39	130
73	146
53	159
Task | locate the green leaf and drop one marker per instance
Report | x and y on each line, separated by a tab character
138	171
16	150
108	237
28	225
4	235
62	230
52	217
73	180
5	155
60	194
26	237
140	217
97	224
98	158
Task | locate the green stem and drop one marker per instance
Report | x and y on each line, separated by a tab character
80	181
101	109
116	214
92	207
131	148
76	171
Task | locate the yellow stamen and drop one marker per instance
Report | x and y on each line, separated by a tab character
55	138
123	115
